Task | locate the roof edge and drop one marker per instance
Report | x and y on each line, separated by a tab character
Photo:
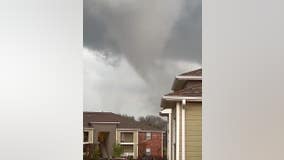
180	98
105	122
180	79
189	77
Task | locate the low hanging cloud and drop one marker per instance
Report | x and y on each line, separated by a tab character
118	88
156	38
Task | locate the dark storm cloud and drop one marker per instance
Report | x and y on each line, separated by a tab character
158	38
145	32
186	40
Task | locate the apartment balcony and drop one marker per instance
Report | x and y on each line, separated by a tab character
126	154
128	150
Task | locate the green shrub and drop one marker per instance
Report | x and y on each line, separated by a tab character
96	154
117	150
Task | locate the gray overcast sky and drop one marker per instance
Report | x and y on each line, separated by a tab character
134	48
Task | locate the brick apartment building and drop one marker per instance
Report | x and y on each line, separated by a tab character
150	143
103	129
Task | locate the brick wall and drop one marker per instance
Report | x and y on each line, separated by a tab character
155	144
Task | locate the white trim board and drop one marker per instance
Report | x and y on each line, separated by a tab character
189	77
174	98
104	122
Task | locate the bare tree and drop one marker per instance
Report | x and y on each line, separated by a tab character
153	121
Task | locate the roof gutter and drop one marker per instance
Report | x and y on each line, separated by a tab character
189	77
104	122
180	98
180	80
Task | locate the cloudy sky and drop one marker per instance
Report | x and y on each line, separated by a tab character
134	48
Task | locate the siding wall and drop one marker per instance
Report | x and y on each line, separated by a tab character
193	131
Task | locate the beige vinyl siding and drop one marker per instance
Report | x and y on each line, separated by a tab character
193	131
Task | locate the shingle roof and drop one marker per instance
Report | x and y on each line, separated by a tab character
111	117
107	117
197	72
181	80
191	89
184	87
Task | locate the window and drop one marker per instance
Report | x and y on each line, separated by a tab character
127	148
84	149
122	137
148	135
86	136
148	151
126	137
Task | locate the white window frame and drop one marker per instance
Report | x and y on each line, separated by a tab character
122	138
148	136
90	136
148	151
